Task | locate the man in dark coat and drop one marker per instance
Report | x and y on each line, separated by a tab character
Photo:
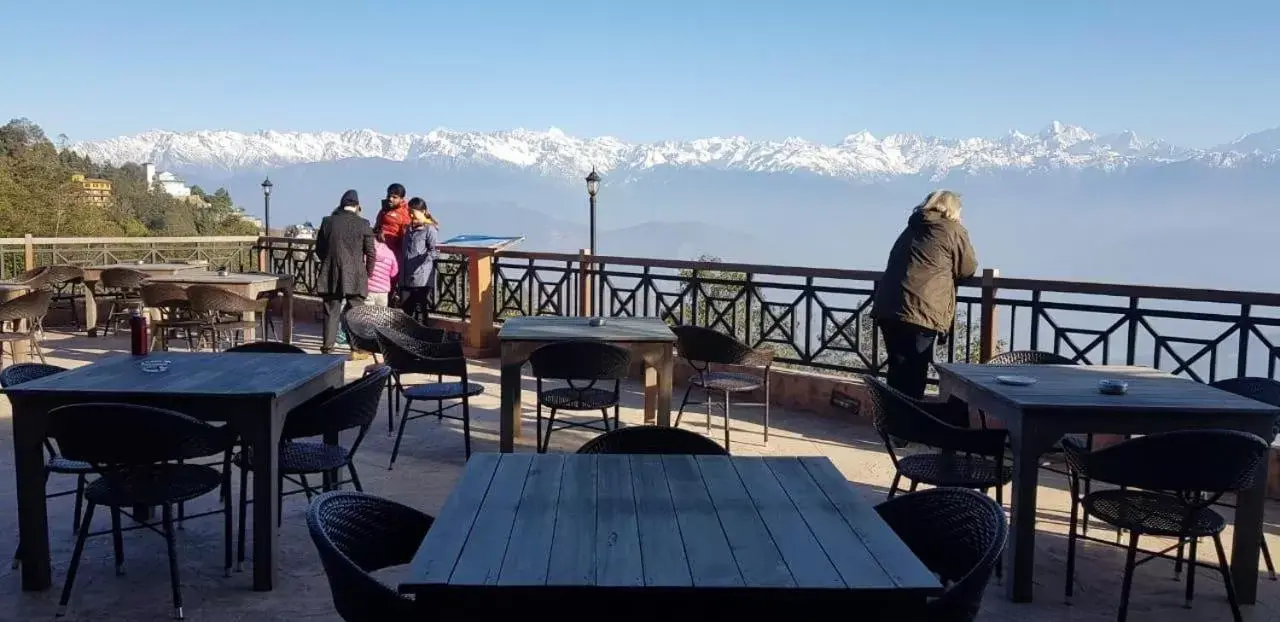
346	251
915	300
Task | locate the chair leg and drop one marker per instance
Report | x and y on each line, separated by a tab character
1266	557
226	516
466	426
726	421
683	402
280	501
537	428
1226	578
617	408
80	482
1177	559
390	406
1128	576
75	561
35	345
404	418
355	479
604	413
117	540
1071	548
306	486
914	484
893	486
1191	573
244	510
175	582
766	407
551	424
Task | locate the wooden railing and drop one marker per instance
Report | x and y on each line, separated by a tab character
813	318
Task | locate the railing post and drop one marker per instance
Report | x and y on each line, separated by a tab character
989	332
263	260
481	336
29	255
586	284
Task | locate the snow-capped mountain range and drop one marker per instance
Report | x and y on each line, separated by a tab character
859	157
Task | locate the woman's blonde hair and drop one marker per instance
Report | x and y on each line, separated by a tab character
944	203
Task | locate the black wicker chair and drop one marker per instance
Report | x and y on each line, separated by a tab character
30	308
122	288
704	348
170	299
959	534
267	347
582	365
405	354
34	278
136	452
222	312
1171	480
356	535
26	372
330	413
362	323
652	439
64	280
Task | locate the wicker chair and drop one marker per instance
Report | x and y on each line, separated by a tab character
122	288
31	309
358	534
704	348
353	407
170	300
222	313
581	365
136	450
26	372
406	355
652	439
267	347
959	534
269	299
1170	482
966	458
34	278
65	280
361	325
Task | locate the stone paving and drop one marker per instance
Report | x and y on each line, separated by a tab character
430	462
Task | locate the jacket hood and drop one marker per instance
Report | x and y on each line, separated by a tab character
921	218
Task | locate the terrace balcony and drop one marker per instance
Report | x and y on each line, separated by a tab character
813	319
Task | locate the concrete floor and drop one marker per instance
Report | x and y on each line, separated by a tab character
431	460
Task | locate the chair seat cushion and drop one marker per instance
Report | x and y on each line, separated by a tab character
567	398
58	464
301	457
1152	513
954	469
442	391
727	381
156	484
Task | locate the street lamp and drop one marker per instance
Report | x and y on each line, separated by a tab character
266	211
593	185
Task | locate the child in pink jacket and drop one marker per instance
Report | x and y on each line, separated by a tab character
385	270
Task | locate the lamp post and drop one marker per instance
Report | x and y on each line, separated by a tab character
266	211
593	185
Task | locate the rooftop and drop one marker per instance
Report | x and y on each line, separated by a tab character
429	464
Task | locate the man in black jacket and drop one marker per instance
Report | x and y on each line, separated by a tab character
345	248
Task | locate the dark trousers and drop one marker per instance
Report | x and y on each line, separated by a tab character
910	350
333	308
416	301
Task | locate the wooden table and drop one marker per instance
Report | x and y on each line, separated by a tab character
649	339
249	285
251	391
93	274
642	534
1065	400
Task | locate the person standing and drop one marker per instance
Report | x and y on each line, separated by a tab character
390	224
915	300
345	247
386	268
418	272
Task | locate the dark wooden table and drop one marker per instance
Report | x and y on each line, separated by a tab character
649	339
248	390
625	535
1065	400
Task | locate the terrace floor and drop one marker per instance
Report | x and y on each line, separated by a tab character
430	462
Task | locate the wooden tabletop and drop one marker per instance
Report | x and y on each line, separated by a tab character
189	373
650	521
207	277
1075	387
559	328
153	267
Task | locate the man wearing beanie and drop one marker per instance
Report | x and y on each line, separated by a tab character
346	251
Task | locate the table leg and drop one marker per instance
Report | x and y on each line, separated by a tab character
666	371
1246	541
1020	554
33	517
651	393
90	309
266	487
288	316
509	420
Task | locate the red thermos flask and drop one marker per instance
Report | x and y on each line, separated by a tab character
140	341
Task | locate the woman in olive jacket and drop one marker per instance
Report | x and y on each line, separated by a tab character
915	301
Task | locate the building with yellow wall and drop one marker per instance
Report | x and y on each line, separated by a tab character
96	191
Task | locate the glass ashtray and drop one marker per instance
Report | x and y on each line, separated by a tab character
154	366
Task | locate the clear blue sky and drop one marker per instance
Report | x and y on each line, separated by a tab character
1196	72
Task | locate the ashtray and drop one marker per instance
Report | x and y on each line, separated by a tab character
596	321
223	273
154	366
1017	381
1113	387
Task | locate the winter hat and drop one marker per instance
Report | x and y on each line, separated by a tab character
349	198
